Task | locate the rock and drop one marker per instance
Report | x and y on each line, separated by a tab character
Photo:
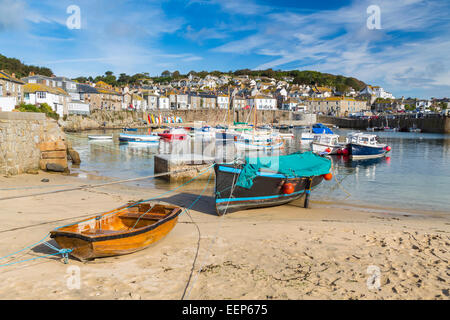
45	180
55	167
44	162
74	156
32	171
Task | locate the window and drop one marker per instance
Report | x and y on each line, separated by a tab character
41	95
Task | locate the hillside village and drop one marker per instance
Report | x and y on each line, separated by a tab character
69	96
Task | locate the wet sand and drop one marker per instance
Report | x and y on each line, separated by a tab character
286	252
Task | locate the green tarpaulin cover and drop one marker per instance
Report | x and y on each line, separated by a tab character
298	164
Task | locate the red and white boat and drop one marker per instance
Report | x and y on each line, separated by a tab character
174	134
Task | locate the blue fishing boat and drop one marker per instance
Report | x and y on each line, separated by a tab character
365	146
268	181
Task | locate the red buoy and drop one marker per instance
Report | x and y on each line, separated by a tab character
345	152
328	176
288	188
339	151
327	150
388	148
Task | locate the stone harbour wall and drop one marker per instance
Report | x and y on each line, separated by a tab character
102	119
29	142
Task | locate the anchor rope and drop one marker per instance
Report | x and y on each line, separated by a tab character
233	184
95	185
64	251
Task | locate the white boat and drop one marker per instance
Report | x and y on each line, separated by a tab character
316	129
307	137
138	137
327	143
414	129
100	137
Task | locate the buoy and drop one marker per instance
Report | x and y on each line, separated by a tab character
327	150
388	148
339	151
328	176
288	188
345	151
235	138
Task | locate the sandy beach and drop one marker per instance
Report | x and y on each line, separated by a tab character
326	252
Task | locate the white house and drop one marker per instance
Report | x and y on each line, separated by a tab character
56	98
222	101
376	91
11	90
261	102
290	104
152	100
163	103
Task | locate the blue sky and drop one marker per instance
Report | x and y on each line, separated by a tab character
408	56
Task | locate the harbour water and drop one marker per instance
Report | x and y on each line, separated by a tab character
415	175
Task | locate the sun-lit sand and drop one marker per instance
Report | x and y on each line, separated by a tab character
286	252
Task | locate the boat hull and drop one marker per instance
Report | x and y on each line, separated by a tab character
265	192
171	136
321	148
94	137
138	137
358	151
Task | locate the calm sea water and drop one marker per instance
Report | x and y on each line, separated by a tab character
415	175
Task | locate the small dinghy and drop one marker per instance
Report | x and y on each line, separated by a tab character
100	137
124	230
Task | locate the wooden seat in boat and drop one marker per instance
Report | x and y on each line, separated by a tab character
153	216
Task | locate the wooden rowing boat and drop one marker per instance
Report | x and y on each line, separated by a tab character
124	230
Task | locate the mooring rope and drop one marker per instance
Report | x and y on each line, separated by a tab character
199	235
65	252
210	245
94	185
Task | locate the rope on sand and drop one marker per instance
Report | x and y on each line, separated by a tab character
95	185
65	252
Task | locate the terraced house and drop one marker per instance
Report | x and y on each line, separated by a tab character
336	106
103	97
11	91
56	98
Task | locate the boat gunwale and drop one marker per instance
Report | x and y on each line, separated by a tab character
119	235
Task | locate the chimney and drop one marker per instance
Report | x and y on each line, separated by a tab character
31	74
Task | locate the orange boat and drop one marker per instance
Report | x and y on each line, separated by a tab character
124	230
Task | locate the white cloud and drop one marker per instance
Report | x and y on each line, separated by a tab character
338	41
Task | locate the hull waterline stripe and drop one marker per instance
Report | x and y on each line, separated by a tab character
258	198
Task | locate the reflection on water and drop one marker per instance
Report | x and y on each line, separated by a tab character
415	175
